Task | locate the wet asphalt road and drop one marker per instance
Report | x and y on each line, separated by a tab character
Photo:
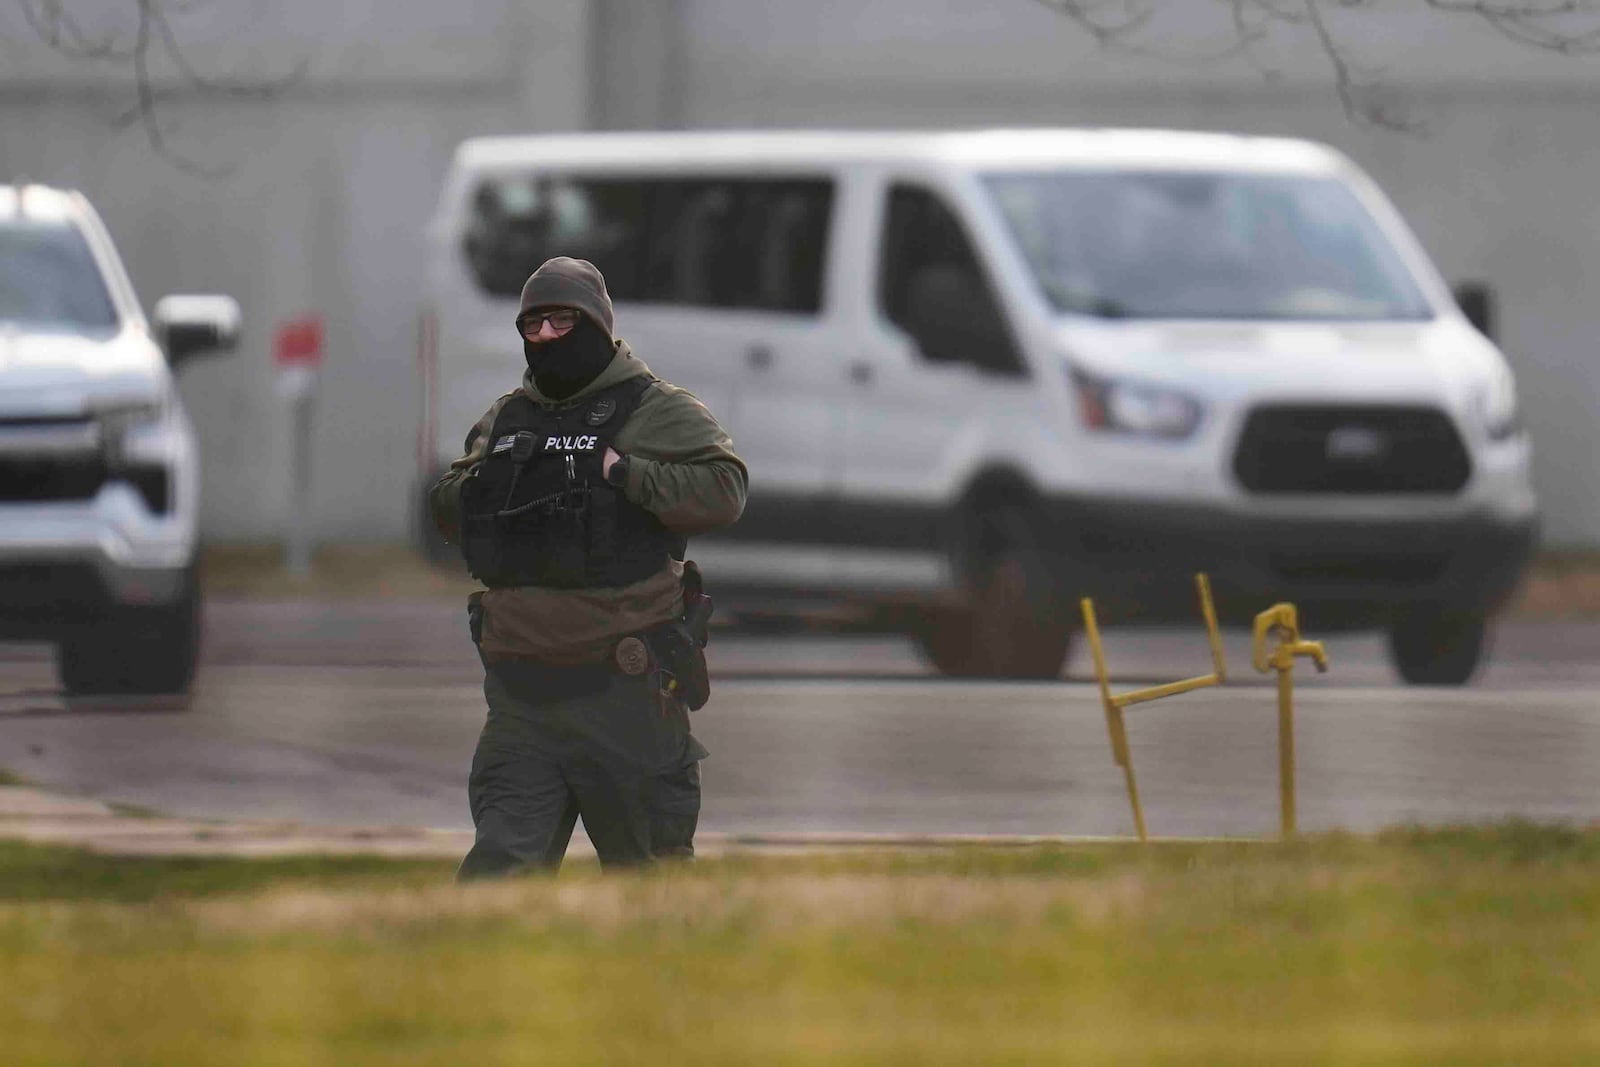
367	713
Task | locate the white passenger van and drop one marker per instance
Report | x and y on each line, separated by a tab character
979	374
99	472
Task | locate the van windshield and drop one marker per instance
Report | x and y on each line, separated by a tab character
1205	245
49	279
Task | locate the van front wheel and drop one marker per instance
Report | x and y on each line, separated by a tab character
1011	624
1438	647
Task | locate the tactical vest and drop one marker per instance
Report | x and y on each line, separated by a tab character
538	511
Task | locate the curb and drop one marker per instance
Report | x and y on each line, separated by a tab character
39	816
42	817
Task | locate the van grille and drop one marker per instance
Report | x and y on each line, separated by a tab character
1418	568
1301	449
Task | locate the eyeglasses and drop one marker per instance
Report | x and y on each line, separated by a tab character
561	320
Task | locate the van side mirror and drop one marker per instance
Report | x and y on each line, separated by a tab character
1477	303
950	315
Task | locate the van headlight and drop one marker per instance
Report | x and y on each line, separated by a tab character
1494	405
1134	407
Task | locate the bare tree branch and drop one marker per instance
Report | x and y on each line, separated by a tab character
1250	33
1122	32
1357	94
56	28
1566	27
227	86
1088	15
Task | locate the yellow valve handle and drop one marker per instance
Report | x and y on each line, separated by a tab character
1283	622
1281	617
1313	649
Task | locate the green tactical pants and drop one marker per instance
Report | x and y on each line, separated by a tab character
563	743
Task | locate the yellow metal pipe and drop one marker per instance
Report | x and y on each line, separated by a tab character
1133	798
1282	621
1099	653
1286	786
1119	738
1168	689
1114	724
1113	704
1209	612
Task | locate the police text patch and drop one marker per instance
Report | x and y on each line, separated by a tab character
584	442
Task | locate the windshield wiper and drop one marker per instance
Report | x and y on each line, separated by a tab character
1068	298
1106	308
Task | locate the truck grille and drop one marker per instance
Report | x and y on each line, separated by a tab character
34	593
50	459
51	478
1302	449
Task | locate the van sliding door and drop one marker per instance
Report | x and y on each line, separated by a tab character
732	289
936	367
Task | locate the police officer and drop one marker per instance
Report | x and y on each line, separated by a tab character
572	505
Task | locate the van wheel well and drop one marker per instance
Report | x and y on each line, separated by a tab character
975	537
1010	620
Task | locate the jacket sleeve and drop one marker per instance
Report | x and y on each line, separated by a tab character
682	467
444	499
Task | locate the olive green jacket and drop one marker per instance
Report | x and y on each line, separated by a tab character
681	467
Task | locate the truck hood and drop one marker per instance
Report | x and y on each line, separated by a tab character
1392	362
49	374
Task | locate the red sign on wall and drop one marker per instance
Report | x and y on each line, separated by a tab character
299	343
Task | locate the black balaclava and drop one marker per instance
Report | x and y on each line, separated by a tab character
564	365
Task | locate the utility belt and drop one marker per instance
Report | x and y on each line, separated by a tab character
674	649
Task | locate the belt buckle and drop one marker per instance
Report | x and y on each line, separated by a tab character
632	656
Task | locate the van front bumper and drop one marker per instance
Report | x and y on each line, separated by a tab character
1140	558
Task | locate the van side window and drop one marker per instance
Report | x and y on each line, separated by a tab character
931	285
707	242
519	222
734	243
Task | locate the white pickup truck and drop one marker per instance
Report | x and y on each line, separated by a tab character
98	466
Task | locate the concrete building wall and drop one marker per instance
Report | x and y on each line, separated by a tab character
320	207
1501	182
323	217
332	178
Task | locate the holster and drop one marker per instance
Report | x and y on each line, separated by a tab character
475	616
682	663
679	645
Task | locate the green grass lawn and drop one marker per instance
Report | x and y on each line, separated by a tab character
1447	947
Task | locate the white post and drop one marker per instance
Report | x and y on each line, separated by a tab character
297	384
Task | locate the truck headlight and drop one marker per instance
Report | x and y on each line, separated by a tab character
119	418
1494	404
1134	407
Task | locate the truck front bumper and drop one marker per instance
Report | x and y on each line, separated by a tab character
65	564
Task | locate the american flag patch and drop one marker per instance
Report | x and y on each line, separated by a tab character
505	443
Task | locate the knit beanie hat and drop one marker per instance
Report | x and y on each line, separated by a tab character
573	283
